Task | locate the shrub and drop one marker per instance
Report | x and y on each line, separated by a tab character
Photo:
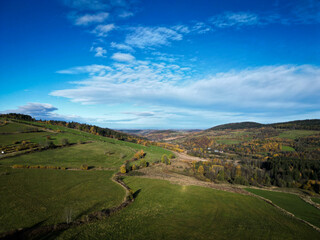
143	163
221	175
201	170
133	167
64	142
123	169
49	144
171	156
241	180
139	154
164	158
84	167
20	166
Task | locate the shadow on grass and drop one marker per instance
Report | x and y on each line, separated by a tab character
136	193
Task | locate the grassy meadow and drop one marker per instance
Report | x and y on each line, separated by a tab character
293	134
43	196
168	211
32	196
292	203
161	210
316	200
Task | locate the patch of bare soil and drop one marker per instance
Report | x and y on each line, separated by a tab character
186	157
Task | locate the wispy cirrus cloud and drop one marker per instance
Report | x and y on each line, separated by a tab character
125	14
90	69
234	19
123	57
269	87
88	19
143	37
103	30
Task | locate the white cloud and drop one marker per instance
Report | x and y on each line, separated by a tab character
142	37
91	18
90	69
200	28
120	46
99	51
263	88
181	28
166	57
34	109
123	57
125	14
103	30
237	19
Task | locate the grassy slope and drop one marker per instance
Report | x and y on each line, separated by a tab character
29	196
287	149
292	203
166	211
12	138
39	194
293	134
92	154
15	127
316	200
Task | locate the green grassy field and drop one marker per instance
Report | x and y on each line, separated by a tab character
12	138
167	211
316	200
30	196
293	134
287	149
97	154
292	203
15	127
160	211
103	152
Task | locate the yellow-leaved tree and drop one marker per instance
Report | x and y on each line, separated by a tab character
123	169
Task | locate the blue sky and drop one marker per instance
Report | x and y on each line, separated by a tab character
160	64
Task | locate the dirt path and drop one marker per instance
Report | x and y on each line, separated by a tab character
186	157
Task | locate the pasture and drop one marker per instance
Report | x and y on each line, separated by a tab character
168	211
292	203
45	196
293	134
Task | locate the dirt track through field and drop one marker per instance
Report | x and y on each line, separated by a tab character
185	157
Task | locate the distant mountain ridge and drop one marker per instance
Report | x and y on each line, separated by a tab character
239	125
308	124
